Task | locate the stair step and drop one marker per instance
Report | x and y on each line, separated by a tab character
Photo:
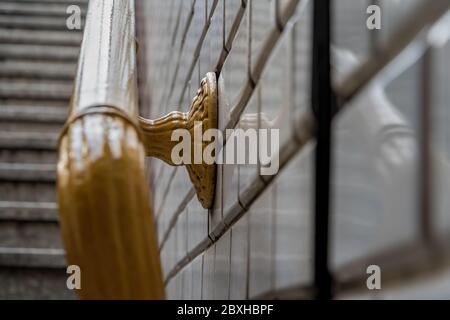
34	22
39	52
22	36
32	284
32	258
32	119
37	69
28	211
28	156
19	191
38	114
35	283
27	172
35	103
35	90
38	58
38	9
30	234
28	140
35	128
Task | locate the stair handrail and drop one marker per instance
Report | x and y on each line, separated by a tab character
106	220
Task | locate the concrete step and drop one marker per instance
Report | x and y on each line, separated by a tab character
39	114
35	90
19	191
34	22
28	140
32	258
58	38
27	172
35	128
39	52
33	273
25	234
28	156
28	211
38	57
37	69
35	283
32	119
36	9
35	103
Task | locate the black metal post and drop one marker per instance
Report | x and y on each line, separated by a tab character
322	105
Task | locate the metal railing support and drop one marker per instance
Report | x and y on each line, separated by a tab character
105	216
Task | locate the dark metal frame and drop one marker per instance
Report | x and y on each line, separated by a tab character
323	110
327	101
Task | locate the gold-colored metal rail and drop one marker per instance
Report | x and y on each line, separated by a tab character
105	214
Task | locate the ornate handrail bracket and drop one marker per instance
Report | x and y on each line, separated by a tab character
158	136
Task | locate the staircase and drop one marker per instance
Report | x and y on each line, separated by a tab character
38	57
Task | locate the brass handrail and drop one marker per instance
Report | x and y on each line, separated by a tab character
105	214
